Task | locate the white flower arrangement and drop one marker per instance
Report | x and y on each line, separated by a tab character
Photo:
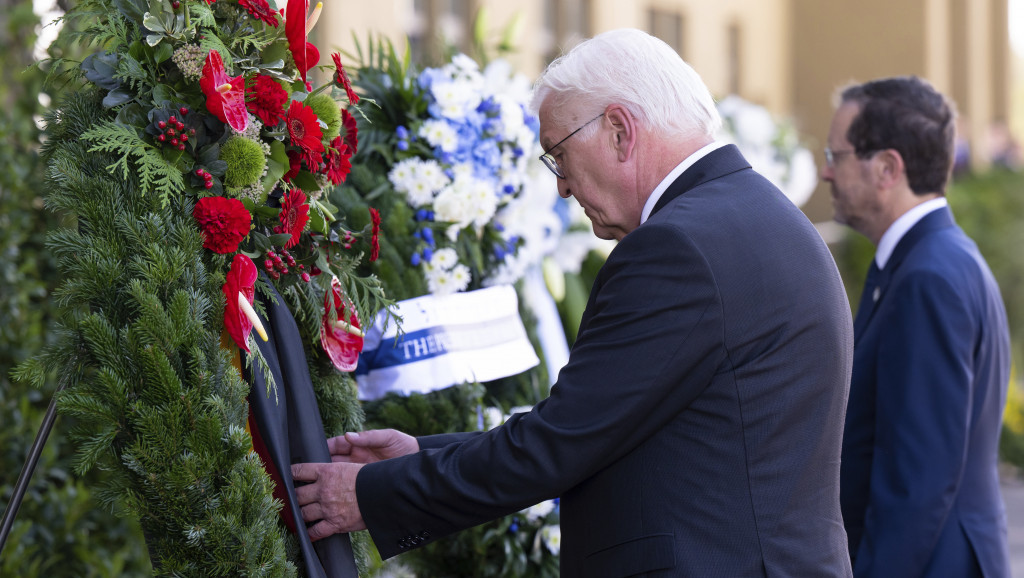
773	148
464	162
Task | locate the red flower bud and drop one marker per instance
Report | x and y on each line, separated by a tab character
209	184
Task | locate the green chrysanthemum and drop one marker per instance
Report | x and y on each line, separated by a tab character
245	160
327	110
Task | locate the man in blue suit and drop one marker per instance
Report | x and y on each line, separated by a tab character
920	490
696	428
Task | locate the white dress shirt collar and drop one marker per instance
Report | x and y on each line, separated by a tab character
907	220
673	175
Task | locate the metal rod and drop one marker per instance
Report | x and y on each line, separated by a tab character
26	472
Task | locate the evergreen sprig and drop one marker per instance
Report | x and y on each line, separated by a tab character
154	172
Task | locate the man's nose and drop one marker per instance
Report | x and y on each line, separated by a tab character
563	189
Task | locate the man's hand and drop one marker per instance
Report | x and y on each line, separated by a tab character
371	446
330	497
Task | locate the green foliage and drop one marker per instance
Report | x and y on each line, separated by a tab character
154	172
60	531
157	402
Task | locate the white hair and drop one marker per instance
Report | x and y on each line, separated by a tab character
634	69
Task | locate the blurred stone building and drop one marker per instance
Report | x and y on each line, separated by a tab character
787	55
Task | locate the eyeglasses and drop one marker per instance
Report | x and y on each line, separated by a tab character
550	162
831	155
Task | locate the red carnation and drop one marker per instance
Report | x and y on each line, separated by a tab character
241	279
260	10
336	159
265	98
225	95
294	216
375	235
342	346
224	223
341	79
304	130
351	130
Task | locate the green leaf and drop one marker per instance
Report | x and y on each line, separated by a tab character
306	181
163	53
279	240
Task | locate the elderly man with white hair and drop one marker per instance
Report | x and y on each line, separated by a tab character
696	428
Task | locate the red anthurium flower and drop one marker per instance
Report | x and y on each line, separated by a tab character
304	130
341	79
342	345
337	163
375	235
305	54
224	223
260	10
348	122
225	96
294	216
265	98
241	279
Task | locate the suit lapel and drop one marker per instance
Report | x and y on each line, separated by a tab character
718	163
876	285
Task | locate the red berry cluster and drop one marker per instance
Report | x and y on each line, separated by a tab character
174	131
175	4
207	178
348	240
278	264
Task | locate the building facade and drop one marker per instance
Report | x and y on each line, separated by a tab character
790	56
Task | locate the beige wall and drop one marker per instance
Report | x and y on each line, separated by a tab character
764	25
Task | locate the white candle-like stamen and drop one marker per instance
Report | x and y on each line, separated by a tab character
249	312
311	21
351	329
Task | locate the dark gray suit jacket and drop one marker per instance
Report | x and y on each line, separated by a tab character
696	429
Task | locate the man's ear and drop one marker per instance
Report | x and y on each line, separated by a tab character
624	131
889	167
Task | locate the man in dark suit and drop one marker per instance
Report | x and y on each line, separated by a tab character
696	428
920	490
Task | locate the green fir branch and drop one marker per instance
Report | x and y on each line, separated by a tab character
155	173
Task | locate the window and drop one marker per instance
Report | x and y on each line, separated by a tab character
735	52
667	26
436	24
566	22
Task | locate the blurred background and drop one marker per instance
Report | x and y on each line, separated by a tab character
783	58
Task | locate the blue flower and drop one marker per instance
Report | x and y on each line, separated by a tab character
428	254
514	526
415	259
403	145
428	236
508	189
487	154
421	215
402	132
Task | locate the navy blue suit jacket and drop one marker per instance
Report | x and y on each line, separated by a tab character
696	428
920	490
